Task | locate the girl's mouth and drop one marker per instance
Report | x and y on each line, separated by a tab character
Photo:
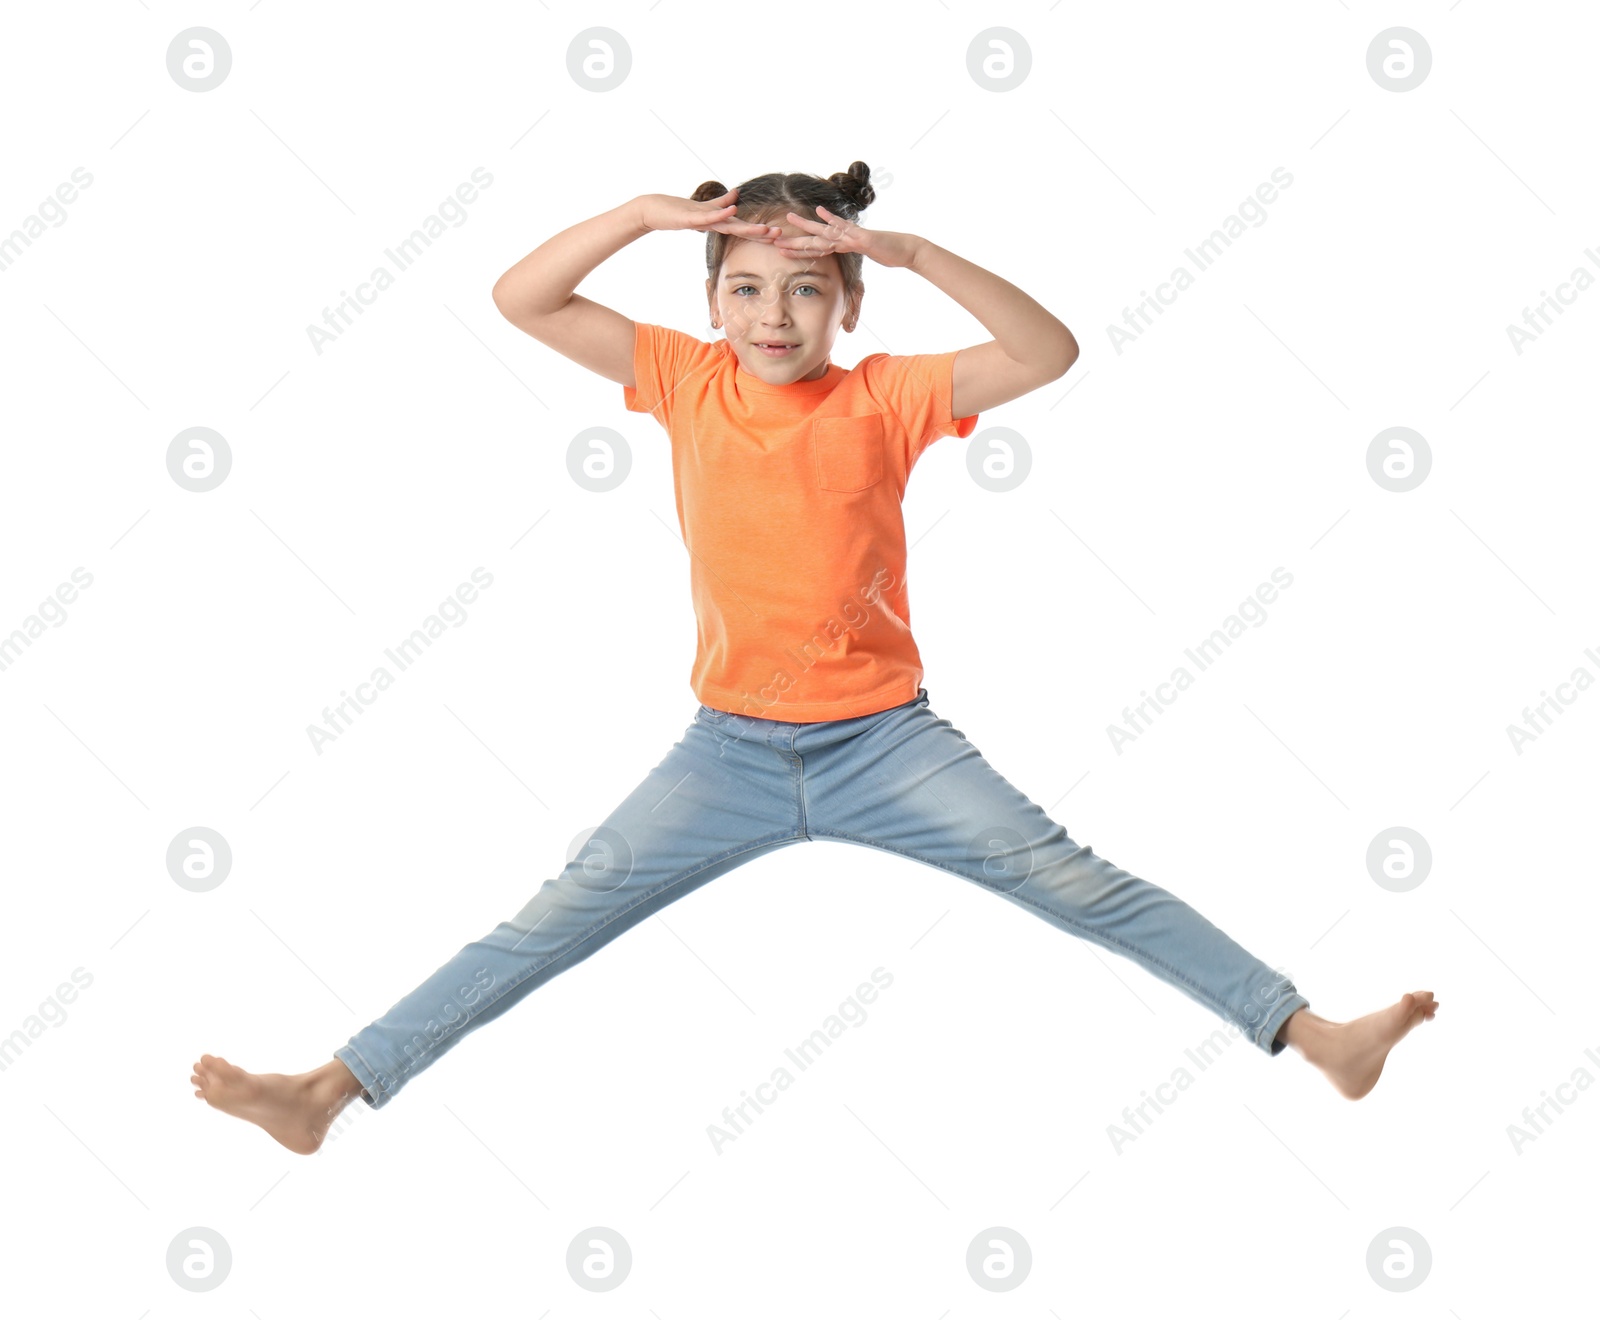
777	350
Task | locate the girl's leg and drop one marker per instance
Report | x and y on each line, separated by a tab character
708	807
910	783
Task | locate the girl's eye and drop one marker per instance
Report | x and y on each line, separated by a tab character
743	287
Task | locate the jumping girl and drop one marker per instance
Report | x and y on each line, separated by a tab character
789	472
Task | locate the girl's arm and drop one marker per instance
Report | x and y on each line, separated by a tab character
536	295
1030	347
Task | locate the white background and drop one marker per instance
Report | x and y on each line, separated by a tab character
1168	480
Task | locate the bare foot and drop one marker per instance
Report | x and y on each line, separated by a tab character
295	1111
1351	1054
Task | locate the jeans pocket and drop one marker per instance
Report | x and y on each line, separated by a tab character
710	714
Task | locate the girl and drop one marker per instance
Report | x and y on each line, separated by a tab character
789	472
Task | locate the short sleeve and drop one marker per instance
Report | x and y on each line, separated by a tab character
663	359
916	390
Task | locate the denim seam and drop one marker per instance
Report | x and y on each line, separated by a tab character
1091	936
411	1065
798	771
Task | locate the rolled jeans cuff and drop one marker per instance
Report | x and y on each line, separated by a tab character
373	1090
1266	1037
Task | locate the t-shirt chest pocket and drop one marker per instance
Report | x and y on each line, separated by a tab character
848	451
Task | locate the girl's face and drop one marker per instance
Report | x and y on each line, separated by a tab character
764	296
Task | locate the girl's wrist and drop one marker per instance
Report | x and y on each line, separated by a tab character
916	250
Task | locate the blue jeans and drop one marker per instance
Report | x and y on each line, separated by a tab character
734	787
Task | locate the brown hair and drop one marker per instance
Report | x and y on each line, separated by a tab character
767	198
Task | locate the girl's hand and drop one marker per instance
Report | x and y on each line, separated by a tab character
663	211
834	234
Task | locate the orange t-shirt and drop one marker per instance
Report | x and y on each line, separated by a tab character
789	502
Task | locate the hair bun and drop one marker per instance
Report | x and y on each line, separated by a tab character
855	186
706	191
